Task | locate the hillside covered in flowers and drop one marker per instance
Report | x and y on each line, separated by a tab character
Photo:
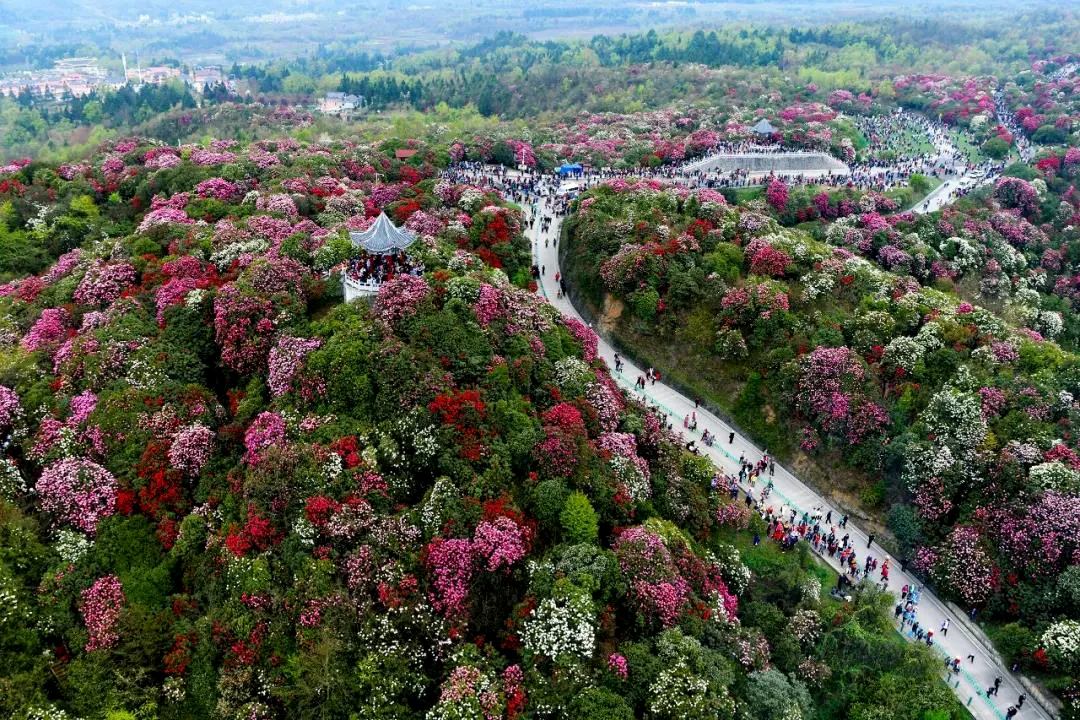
905	364
226	494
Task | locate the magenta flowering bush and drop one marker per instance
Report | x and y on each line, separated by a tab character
488	305
101	605
81	406
584	335
103	283
776	194
1016	193
211	157
451	563
77	492
63	266
266	431
50	327
500	543
665	577
10	407
217	188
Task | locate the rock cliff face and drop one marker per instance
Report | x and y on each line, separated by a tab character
779	162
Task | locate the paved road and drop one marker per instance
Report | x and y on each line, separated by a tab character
971	684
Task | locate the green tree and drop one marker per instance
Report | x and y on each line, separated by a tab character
579	521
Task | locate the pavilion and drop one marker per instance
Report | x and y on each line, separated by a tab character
764	128
382	239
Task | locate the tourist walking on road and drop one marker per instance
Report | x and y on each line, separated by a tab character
730	438
869	540
945	626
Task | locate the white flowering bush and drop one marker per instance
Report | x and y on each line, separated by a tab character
810	590
72	546
955	419
903	352
1062	642
735	573
572	374
12	483
684	690
1054	476
562	625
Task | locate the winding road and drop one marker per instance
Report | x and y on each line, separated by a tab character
971	684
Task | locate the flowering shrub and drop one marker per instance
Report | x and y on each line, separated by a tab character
101	606
266	431
103	283
561	625
776	194
400	297
451	564
51	327
191	448
243	323
1062	642
963	566
77	492
286	360
500	543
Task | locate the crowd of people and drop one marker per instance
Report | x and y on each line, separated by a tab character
374	269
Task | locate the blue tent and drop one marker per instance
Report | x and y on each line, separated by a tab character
570	169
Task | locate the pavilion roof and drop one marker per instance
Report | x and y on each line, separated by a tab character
764	127
383	237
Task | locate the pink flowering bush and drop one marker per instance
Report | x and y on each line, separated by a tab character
617	664
210	157
10	407
1016	193
278	203
50	328
828	380
963	566
286	362
584	335
243	327
267	430
451	563
767	260
101	605
500	543
77	492
663	579
776	194
217	188
191	449
63	266
400	297
103	283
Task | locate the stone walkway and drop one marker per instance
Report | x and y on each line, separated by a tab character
971	684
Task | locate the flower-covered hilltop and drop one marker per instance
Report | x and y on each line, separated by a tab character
227	494
958	425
